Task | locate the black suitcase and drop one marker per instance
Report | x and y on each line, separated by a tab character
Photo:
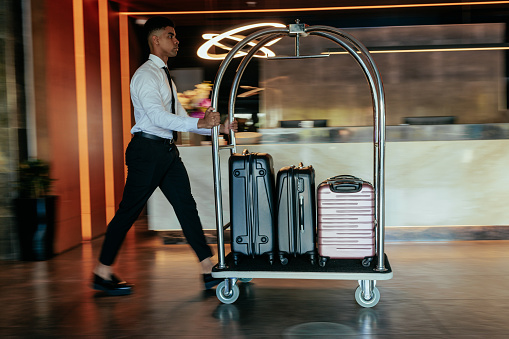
252	212
296	212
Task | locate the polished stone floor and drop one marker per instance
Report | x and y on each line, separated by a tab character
439	290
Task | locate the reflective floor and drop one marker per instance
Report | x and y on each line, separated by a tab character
439	290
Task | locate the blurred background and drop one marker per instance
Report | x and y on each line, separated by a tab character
65	67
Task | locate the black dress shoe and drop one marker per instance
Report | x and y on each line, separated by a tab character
114	286
210	281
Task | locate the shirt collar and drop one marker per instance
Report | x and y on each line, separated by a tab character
159	63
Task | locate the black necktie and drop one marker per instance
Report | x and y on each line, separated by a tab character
173	100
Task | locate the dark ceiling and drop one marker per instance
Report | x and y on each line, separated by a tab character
209	5
352	14
362	12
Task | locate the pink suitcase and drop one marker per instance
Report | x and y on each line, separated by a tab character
346	219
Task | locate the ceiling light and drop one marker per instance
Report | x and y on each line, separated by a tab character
215	40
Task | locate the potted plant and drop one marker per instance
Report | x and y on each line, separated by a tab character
35	210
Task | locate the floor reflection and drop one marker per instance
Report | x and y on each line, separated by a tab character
308	330
433	294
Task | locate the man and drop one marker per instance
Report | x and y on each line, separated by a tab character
153	160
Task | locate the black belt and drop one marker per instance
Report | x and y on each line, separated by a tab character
154	137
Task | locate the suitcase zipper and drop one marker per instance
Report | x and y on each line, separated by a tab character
301	222
292	232
298	210
250	207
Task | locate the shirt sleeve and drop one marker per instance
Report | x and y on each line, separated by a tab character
148	87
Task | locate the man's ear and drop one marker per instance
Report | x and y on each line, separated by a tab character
153	40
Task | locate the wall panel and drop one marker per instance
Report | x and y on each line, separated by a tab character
116	109
94	114
61	115
465	84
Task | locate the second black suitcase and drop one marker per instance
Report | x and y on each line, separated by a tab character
296	212
252	212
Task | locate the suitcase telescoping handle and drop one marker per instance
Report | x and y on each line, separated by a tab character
344	177
345	184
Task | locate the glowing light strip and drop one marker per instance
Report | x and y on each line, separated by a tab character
125	79
315	9
213	40
427	50
109	183
81	107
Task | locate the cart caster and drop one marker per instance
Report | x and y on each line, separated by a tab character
227	299
283	259
236	259
359	297
322	262
312	259
271	258
245	280
366	262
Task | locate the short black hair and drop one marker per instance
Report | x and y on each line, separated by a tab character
156	23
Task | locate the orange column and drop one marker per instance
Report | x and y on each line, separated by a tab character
106	109
81	100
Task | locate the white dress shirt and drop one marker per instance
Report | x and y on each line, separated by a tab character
152	99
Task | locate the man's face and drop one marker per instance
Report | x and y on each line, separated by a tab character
167	42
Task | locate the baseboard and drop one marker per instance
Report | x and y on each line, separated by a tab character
446	233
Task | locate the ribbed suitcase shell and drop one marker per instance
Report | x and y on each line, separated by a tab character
252	212
296	223
346	223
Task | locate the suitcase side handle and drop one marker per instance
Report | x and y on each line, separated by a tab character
301	214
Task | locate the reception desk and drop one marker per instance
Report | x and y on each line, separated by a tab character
452	187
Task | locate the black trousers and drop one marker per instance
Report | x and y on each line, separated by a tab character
151	164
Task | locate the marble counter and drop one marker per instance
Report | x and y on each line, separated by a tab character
399	133
428	183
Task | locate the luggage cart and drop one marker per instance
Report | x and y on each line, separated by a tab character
366	294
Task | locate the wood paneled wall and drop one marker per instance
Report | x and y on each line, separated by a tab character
57	128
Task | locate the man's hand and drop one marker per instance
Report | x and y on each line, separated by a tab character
227	126
210	120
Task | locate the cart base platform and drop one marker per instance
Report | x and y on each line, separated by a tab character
301	268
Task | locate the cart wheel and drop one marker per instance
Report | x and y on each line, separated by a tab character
366	262
224	298
245	280
284	261
367	303
322	262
